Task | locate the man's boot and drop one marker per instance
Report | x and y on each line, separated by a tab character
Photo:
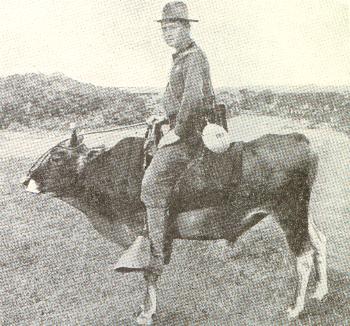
146	253
136	258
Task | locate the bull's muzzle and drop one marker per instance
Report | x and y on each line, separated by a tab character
25	181
30	185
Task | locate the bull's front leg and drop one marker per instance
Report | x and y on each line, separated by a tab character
148	309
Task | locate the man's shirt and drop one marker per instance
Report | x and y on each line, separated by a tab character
189	89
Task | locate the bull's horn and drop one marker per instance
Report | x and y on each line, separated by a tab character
74	141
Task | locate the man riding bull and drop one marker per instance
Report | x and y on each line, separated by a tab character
187	99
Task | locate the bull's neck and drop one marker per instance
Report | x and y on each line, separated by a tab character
77	188
113	177
74	190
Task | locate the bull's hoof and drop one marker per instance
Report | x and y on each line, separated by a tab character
320	292
144	319
293	313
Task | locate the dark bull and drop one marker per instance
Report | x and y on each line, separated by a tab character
270	175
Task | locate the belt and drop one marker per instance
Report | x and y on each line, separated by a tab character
199	123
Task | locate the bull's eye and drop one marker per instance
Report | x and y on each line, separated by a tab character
55	159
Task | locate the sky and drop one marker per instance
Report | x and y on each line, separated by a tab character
118	43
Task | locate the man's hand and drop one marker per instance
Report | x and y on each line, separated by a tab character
168	139
155	118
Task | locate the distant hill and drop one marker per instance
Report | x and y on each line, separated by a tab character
143	90
52	100
288	88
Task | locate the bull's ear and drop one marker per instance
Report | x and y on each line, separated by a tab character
93	153
75	140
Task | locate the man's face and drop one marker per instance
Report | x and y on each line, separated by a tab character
174	33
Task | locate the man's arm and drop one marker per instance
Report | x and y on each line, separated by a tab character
192	97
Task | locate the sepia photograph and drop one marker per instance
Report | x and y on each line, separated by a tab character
175	162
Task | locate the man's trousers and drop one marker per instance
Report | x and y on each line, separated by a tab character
158	183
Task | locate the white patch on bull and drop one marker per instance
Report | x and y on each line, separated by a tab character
33	187
147	313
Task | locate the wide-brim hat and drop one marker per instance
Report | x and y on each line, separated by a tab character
175	11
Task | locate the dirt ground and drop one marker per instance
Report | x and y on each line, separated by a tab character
57	270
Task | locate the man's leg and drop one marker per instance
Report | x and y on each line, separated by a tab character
156	219
157	186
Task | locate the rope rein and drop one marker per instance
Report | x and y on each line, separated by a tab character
139	124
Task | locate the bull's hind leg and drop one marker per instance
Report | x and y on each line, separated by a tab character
318	242
303	267
294	221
